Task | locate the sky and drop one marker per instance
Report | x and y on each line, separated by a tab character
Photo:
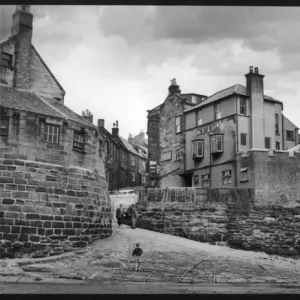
117	61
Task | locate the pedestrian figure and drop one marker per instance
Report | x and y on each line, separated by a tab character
134	216
137	252
120	215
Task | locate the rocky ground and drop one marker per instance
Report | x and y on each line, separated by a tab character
167	259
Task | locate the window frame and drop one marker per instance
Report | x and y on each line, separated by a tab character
178	127
49	125
199	117
196	179
244	174
267	138
277	144
217	110
4	123
288	137
277	124
205	182
214	143
227	177
244	134
132	175
197	142
78	133
8	63
178	150
244	107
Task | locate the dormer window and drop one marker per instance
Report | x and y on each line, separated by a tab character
78	140
6	59
57	99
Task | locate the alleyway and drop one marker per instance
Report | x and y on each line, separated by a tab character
167	259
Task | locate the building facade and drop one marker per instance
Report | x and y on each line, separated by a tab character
216	131
166	137
52	179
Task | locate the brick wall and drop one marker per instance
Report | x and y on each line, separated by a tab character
51	197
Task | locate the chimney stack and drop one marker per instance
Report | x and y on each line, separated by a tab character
115	130
101	123
255	91
86	114
22	29
174	88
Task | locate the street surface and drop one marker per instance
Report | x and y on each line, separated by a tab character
170	264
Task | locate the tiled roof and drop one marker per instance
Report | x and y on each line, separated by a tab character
66	112
235	89
25	101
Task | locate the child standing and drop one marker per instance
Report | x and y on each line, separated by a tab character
137	252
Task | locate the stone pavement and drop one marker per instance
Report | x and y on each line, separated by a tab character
166	259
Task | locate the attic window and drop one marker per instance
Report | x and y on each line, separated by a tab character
78	140
58	99
6	59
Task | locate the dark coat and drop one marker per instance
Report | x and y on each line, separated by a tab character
119	213
134	213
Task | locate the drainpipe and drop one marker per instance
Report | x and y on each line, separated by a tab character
236	138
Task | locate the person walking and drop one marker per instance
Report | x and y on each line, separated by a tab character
137	253
134	216
120	215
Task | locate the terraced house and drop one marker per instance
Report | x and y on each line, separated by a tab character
210	144
52	177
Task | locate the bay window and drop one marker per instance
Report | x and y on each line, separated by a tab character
217	143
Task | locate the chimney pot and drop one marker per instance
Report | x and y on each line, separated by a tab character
117	124
101	123
256	70
251	69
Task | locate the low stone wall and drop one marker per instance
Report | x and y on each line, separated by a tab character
225	215
271	229
49	209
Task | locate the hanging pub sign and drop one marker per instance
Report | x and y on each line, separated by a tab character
208	128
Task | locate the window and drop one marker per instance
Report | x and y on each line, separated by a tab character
206	180
243	139
243	106
276	123
277	146
78	140
196	181
133	176
217	143
244	174
132	160
51	134
178	124
198	149
267	142
4	123
178	154
290	135
217	111
199	118
227	179
6	59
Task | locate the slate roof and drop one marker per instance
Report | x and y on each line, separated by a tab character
235	89
129	147
25	101
30	102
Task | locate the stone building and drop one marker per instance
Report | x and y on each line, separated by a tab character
53	190
138	139
166	137
201	143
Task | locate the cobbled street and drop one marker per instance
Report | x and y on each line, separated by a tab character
167	259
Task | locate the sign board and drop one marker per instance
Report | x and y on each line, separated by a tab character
166	156
208	128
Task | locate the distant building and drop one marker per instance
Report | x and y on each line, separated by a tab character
199	143
138	139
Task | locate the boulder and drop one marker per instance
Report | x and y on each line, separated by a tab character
108	263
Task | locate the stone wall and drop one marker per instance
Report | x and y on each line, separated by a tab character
220	215
52	198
